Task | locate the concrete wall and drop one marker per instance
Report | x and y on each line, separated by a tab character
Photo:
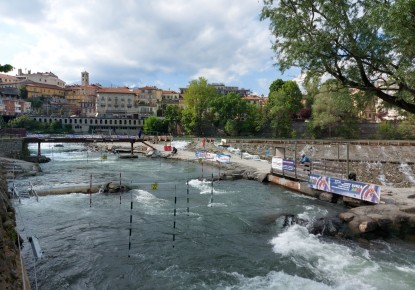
11	148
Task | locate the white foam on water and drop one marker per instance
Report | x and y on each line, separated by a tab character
180	144
204	186
276	280
406	269
313	212
147	200
216	205
337	265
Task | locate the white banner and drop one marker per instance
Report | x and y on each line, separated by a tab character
276	163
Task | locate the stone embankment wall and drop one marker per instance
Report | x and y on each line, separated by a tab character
390	163
10	267
11	148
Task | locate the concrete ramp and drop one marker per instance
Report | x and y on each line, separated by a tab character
151	146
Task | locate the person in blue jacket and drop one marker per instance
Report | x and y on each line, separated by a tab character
304	159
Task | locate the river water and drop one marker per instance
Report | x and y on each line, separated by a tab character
186	234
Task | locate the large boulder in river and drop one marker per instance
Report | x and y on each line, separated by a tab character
114	187
381	220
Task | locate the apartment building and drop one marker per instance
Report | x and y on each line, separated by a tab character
14	107
260	101
84	97
7	79
41	90
46	78
224	90
150	95
124	102
170	97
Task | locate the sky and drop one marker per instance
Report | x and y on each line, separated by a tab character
134	43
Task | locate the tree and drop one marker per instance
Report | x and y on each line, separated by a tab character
2	122
6	68
24	121
172	115
275	86
367	45
23	93
334	112
197	99
154	124
282	106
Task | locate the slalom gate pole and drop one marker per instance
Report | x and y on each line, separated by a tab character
90	190
187	197
131	225
211	192
120	188
174	216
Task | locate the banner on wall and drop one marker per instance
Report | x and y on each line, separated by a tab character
359	190
222	158
288	165
276	163
279	163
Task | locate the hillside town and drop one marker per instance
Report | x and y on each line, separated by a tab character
91	100
44	94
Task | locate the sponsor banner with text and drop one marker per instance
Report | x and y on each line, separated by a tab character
359	190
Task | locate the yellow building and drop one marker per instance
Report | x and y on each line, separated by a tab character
41	90
150	95
83	97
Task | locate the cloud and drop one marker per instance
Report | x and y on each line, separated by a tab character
127	40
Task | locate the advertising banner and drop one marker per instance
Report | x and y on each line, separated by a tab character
276	163
223	158
359	190
288	165
282	164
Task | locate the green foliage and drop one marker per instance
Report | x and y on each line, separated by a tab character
23	93
357	42
231	128
6	68
2	122
154	124
391	130
254	120
197	98
333	112
24	122
35	126
275	86
282	106
12	234
173	115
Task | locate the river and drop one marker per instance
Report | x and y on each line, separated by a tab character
174	231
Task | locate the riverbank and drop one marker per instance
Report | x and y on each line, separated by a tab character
11	269
394	216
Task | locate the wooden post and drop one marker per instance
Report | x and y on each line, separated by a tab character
347	160
38	152
295	158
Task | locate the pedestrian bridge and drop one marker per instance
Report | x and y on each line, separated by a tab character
94	138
